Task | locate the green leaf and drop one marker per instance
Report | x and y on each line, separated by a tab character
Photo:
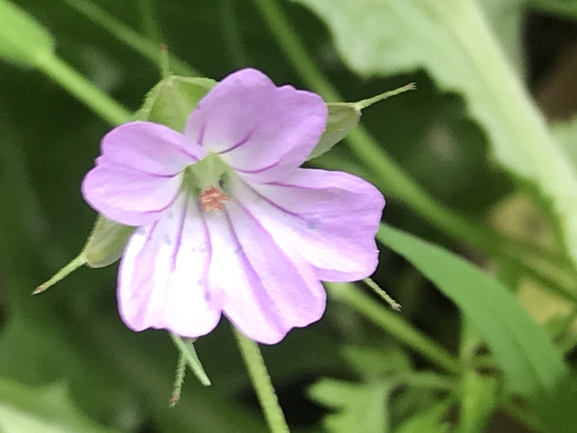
22	38
478	402
479	390
531	363
361	407
429	421
557	412
371	361
507	21
41	410
454	43
566	135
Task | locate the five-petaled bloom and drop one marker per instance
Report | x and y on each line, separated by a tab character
227	221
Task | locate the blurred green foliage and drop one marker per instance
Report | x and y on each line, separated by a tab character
447	157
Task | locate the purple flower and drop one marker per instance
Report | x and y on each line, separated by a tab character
228	222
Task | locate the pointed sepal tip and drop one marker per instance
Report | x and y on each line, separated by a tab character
79	261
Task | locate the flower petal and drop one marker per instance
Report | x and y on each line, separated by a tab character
151	147
266	290
127	195
262	131
161	280
139	173
331	217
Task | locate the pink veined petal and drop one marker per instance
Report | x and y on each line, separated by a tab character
266	291
331	217
262	131
151	148
127	195
162	276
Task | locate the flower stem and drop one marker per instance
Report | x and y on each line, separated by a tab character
86	92
178	380
262	383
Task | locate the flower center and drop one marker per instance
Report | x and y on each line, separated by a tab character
207	180
213	199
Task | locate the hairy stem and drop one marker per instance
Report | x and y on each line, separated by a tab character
262	384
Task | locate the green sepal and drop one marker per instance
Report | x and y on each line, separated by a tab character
103	247
344	116
172	100
22	39
106	242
